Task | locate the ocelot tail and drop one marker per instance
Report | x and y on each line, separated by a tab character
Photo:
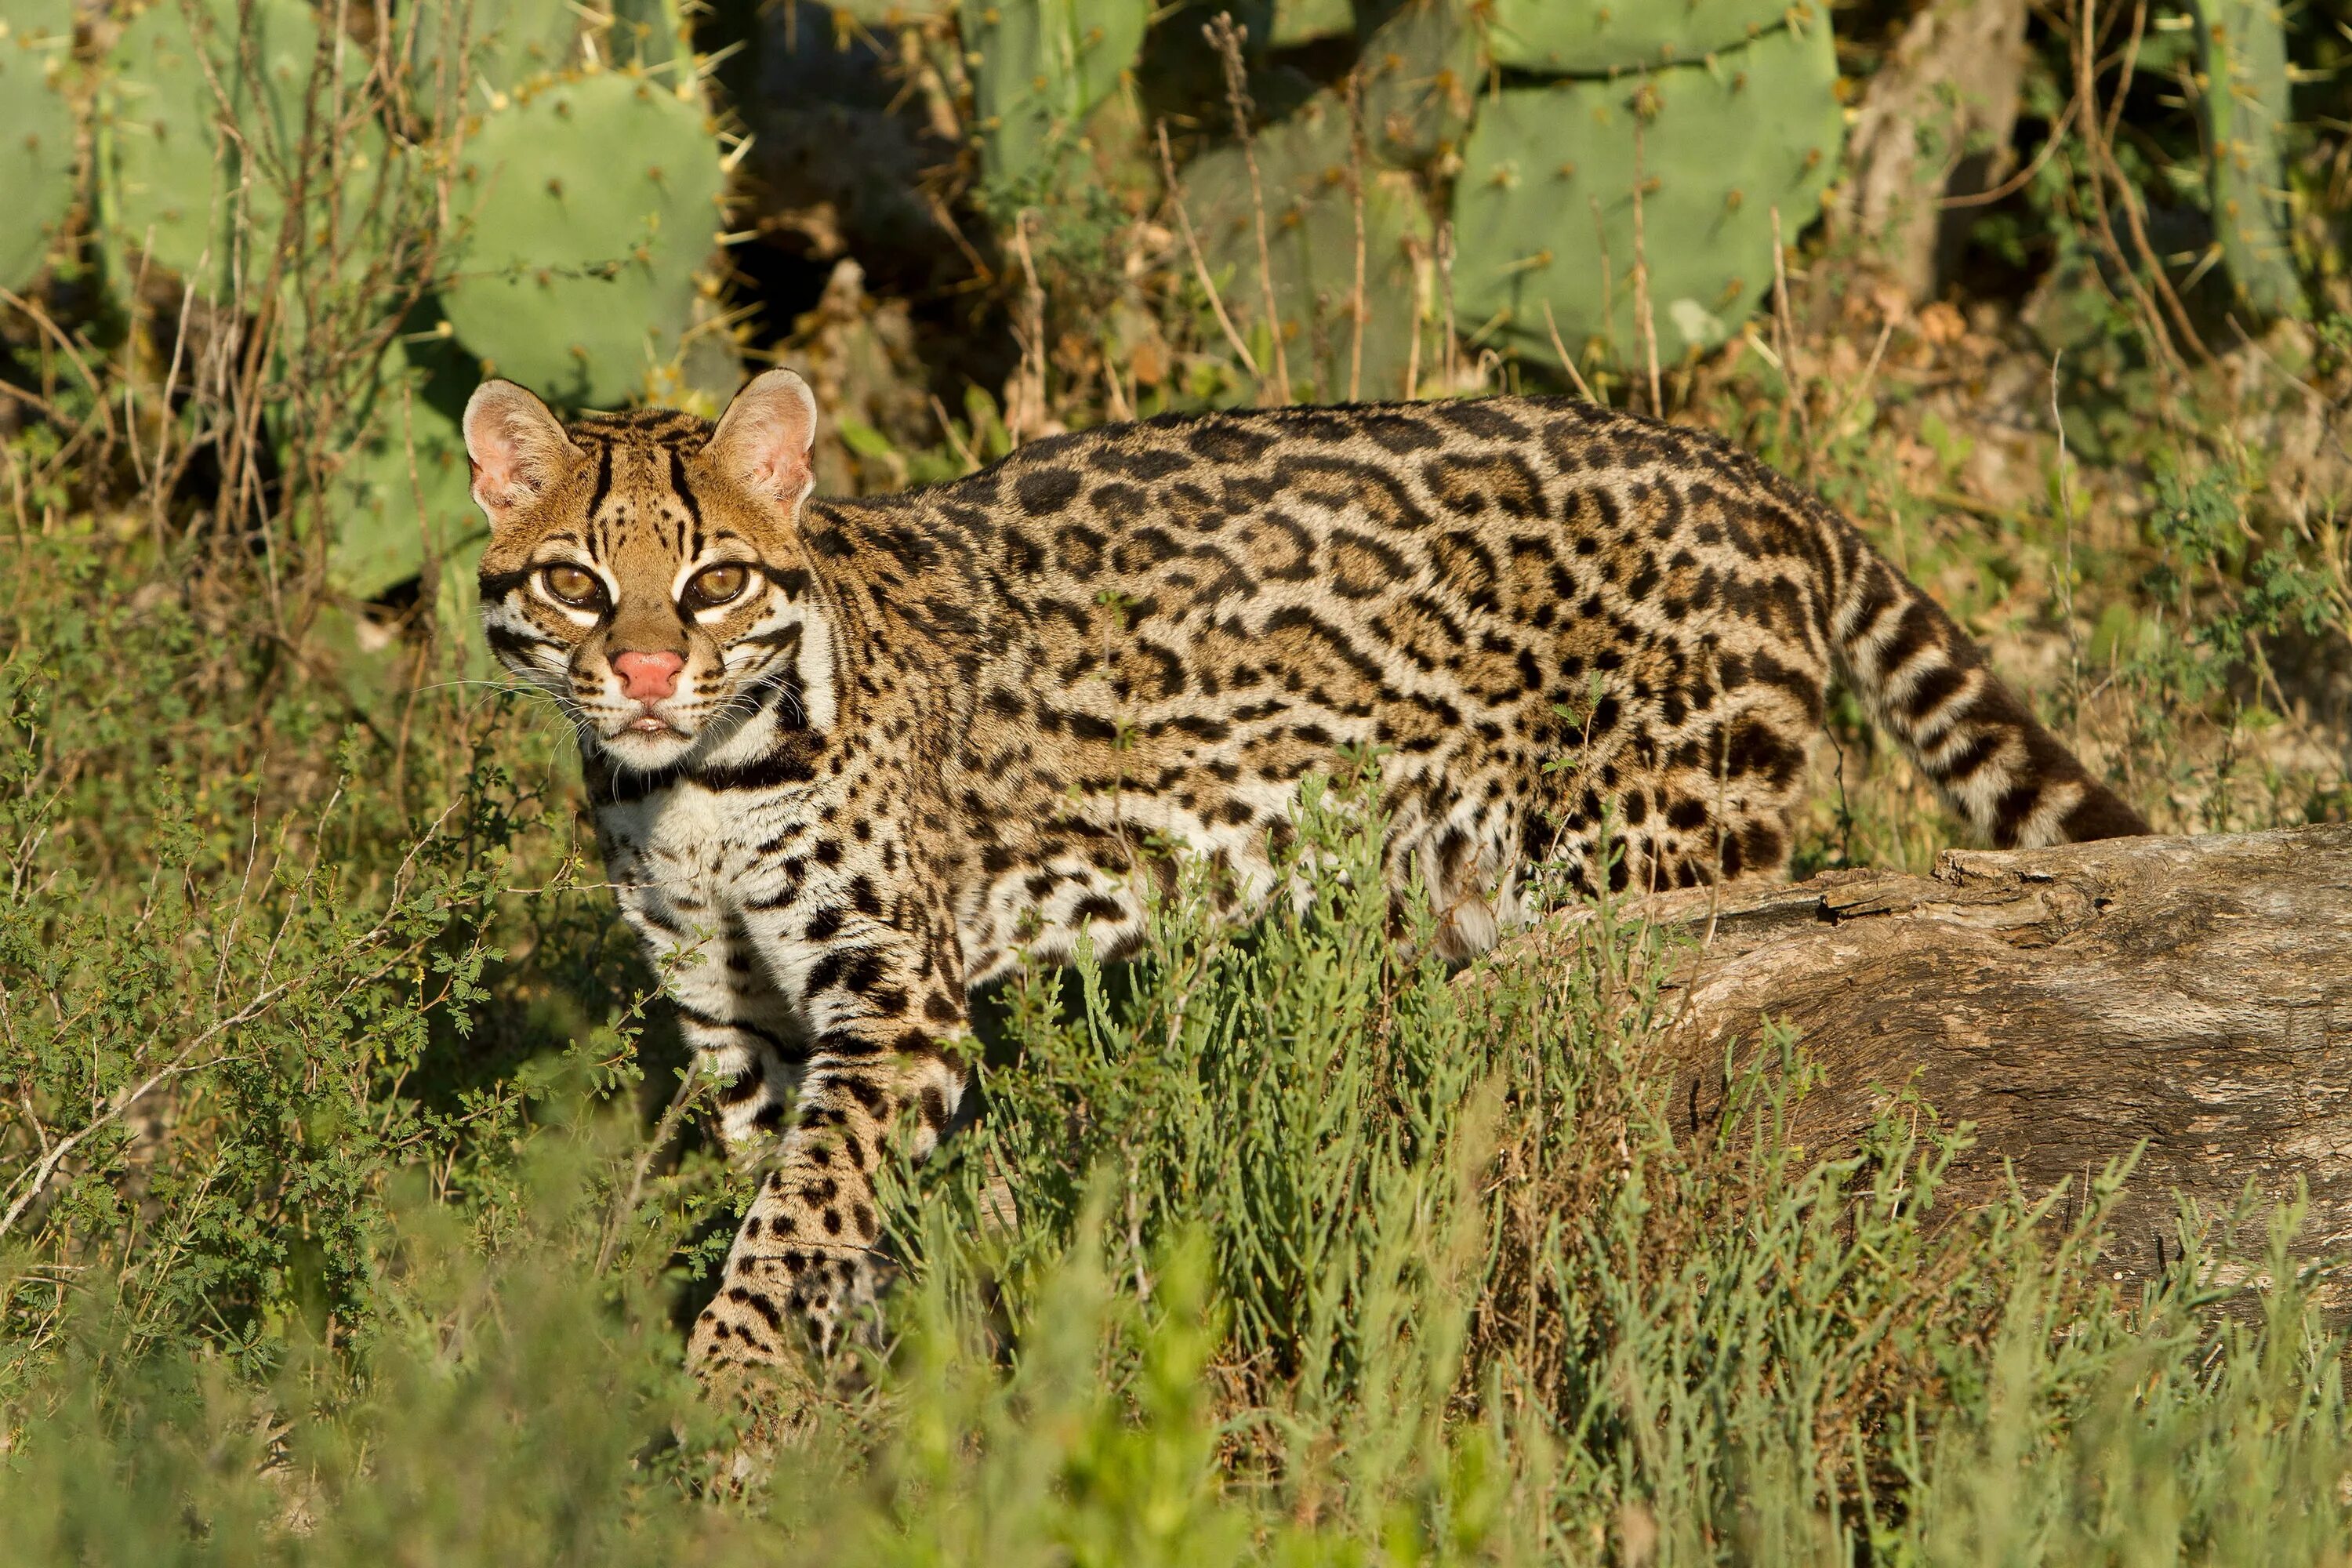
849	759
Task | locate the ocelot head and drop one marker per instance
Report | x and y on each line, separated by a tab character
648	570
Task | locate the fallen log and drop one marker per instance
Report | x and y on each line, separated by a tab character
2068	1003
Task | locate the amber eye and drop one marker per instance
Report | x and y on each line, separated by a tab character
573	586
717	586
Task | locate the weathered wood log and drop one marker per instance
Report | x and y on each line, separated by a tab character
2068	1002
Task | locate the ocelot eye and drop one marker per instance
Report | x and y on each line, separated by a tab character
716	585
574	585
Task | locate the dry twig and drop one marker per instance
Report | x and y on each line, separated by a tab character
1199	262
1226	38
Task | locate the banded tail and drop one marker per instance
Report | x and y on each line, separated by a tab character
1927	684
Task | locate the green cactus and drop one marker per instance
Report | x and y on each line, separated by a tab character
648	34
1543	210
1044	67
508	43
1304	21
1590	37
1421	69
36	133
2244	103
403	484
171	186
593	201
1310	225
888	13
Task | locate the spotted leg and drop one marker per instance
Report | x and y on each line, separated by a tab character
806	1258
729	1011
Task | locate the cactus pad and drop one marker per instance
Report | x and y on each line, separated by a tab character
1543	210
592	201
508	43
1420	76
1304	21
1310	223
1589	38
1044	65
647	33
406	482
2244	103
36	133
172	184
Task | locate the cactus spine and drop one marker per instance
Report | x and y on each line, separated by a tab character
1421	70
648	34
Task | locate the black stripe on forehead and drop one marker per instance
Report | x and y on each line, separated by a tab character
685	499
603	479
644	428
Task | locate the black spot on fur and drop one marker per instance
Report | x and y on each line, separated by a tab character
1045	490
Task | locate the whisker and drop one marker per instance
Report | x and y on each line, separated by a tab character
447	685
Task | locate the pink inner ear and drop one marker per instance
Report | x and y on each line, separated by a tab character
493	473
512	444
782	472
497	480
765	435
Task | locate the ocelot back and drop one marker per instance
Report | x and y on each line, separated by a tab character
850	758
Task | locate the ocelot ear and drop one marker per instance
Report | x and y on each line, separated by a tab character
516	447
763	440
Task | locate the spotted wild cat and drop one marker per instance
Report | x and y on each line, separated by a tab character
849	759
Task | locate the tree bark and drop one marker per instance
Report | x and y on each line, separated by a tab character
1934	120
2195	994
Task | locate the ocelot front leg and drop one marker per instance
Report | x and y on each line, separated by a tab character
739	1025
884	1009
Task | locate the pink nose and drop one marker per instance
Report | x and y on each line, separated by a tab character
647	677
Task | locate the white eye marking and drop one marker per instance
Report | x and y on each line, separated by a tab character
714	584
581	592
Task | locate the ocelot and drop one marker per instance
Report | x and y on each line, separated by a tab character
849	759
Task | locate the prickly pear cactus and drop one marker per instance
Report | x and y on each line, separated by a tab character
1310	225
507	43
592	201
648	34
1421	70
1043	67
2244	103
1543	210
1583	38
171	186
36	133
403	487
